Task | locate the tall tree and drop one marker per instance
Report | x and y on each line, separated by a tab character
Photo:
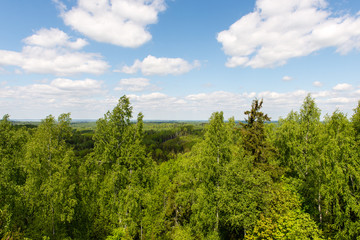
214	155
299	142
244	192
12	178
247	179
308	160
124	169
322	161
220	182
49	190
298	138
253	133
340	173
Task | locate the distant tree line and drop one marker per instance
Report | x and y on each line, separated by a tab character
298	178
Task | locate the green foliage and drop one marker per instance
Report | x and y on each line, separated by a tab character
253	133
7	230
119	234
300	142
123	168
12	178
165	140
123	179
82	142
323	158
215	154
340	171
182	233
355	120
284	219
49	189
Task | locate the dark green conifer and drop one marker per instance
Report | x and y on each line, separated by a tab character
253	133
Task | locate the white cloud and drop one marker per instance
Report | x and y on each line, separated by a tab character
135	85
317	84
88	99
81	97
340	100
119	22
343	87
52	51
58	87
160	66
76	85
287	78
277	31
53	37
202	105
158	105
147	98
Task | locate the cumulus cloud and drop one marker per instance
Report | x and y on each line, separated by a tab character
119	22
277	104
53	51
135	85
160	66
53	37
87	85
317	84
57	87
149	97
277	31
236	103
82	97
287	78
88	99
343	87
159	105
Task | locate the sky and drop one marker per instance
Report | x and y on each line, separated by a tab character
177	59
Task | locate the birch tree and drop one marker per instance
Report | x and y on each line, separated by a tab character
49	190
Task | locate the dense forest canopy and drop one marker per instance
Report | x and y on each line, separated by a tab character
298	178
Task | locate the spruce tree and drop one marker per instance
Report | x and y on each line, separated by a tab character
253	133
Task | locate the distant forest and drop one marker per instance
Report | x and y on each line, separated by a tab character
298	178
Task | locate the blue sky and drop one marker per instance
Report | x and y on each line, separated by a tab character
177	59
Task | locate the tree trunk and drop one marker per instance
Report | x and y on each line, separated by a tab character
319	207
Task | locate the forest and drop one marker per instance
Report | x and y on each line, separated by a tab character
297	178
